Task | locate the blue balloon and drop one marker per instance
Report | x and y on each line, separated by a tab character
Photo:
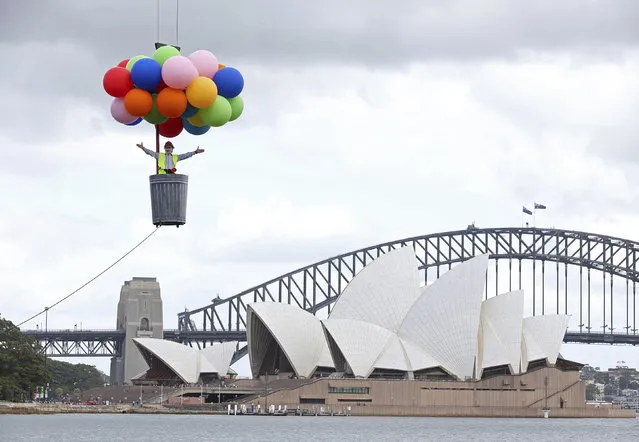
229	82
190	111
135	122
194	130
146	74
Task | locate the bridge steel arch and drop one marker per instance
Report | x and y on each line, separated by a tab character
520	253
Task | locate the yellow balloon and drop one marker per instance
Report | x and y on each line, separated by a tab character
202	92
196	120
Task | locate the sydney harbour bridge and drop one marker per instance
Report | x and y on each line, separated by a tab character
589	276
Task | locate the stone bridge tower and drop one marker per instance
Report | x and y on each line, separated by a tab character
140	316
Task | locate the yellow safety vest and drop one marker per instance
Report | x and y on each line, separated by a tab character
162	162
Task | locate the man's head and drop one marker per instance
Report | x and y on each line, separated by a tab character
168	147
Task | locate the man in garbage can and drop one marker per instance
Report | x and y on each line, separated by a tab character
168	160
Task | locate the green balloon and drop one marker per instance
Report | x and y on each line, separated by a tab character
154	116
217	114
237	106
132	61
163	53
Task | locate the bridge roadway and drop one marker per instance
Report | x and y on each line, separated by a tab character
85	343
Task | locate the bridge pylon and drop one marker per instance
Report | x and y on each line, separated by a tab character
139	316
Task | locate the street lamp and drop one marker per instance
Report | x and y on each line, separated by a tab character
266	393
46	330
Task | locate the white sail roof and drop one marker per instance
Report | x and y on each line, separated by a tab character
298	333
382	292
325	359
393	356
542	338
444	321
417	356
500	332
360	342
217	358
182	360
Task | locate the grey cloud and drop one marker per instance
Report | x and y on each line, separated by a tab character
273	250
585	201
352	32
617	144
63	48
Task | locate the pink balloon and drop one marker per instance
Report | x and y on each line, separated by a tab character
178	72
119	113
205	62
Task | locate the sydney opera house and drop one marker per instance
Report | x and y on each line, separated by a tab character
391	343
384	325
393	346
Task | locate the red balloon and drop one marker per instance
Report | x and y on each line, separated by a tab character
117	82
123	63
171	128
161	86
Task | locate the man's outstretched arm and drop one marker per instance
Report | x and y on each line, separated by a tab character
148	151
184	156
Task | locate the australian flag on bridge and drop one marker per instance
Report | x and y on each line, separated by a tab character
539	206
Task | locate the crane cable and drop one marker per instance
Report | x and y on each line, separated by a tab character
177	22
92	279
177	42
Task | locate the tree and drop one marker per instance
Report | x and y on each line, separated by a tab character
602	378
21	364
624	380
592	392
610	389
588	373
69	377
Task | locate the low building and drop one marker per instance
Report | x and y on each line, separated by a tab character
384	325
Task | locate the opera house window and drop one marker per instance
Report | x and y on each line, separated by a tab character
349	390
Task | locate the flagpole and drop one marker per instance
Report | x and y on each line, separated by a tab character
535	215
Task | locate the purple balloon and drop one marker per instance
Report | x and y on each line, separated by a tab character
178	72
119	113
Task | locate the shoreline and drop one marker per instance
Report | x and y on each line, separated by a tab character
457	412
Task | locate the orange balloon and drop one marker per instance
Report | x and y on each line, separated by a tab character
220	66
171	102
138	102
196	120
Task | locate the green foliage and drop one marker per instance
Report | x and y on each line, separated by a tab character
21	364
591	392
610	389
588	373
602	378
67	378
624	380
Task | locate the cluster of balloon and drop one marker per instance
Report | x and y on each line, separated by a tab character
175	92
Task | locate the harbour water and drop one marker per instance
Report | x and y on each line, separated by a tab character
176	428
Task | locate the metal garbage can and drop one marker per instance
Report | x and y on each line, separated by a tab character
168	199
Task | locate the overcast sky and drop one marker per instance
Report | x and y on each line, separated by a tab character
365	122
